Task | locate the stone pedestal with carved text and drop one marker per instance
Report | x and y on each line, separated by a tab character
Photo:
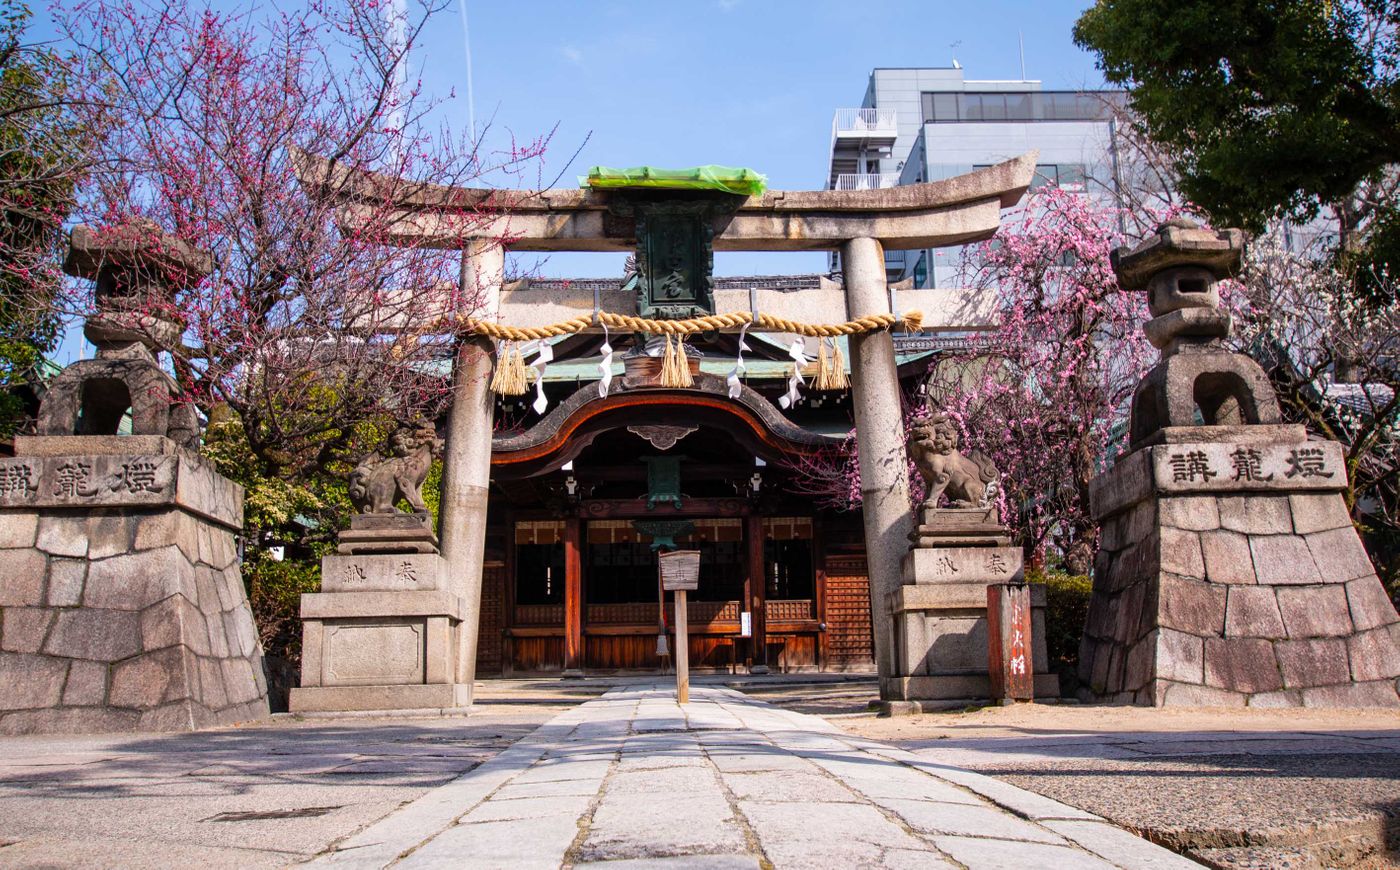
383	632
121	602
940	611
1230	574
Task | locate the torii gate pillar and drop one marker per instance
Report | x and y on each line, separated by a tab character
884	474
466	466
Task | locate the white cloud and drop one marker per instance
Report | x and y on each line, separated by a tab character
572	54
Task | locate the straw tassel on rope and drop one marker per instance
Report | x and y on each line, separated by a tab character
831	366
510	377
675	368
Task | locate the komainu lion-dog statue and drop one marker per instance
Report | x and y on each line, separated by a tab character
378	482
964	478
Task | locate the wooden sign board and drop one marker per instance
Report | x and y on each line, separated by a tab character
1009	641
680	570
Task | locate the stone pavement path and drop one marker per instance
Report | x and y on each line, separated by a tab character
633	780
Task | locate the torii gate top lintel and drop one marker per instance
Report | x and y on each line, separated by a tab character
952	211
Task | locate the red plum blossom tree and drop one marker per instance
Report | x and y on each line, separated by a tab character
299	327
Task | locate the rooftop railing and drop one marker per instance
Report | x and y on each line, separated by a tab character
875	123
865	180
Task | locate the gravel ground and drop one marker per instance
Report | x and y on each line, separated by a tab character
265	795
1301	789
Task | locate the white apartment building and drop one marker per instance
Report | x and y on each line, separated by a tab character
926	124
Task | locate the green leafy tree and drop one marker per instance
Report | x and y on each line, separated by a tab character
1268	108
41	160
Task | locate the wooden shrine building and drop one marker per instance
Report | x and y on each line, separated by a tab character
570	580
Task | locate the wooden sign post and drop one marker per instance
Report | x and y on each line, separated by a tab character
1009	642
680	573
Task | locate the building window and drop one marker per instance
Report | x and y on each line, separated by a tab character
1070	177
940	106
787	558
1073	177
954	106
539	562
921	271
1046	174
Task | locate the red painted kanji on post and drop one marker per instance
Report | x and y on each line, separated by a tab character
1009	641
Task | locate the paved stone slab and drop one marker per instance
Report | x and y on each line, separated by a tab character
825	835
661	824
632	780
980	854
537	842
800	787
685	862
931	817
1108	841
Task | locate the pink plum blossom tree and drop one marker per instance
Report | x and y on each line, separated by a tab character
1046	394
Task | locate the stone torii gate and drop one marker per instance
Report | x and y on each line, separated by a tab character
861	225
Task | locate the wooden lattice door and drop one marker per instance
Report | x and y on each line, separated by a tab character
850	641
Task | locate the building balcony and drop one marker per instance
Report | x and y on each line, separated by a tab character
864	127
864	180
859	137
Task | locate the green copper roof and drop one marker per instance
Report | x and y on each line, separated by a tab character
729	179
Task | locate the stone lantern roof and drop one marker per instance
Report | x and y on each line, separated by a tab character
1179	242
139	244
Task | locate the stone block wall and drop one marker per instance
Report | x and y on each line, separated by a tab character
119	610
1238	587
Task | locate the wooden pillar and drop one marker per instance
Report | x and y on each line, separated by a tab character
508	598
466	464
682	648
758	593
884	469
1010	664
573	597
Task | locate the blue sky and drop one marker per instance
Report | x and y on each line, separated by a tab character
738	82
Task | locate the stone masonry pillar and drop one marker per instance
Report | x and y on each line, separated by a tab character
121	597
884	475
466	471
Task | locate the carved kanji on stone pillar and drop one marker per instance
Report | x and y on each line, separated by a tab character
1229	571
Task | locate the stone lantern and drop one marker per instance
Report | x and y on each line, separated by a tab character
1229	572
137	271
1178	268
121	593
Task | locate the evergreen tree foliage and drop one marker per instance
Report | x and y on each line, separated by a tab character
1269	109
41	160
